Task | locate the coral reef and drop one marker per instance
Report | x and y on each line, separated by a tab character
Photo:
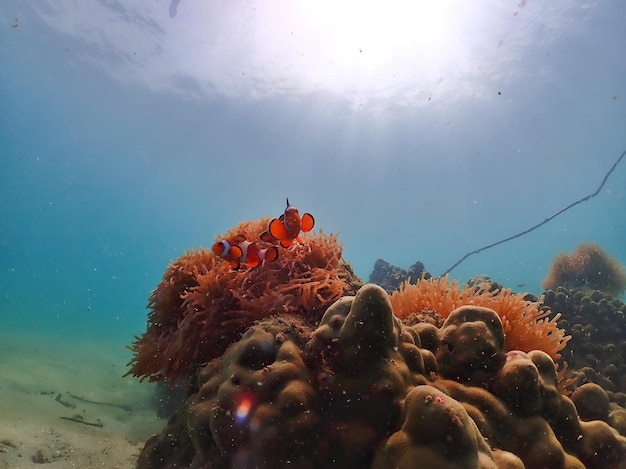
202	304
525	327
361	390
262	388
470	346
588	267
591	402
597	324
438	432
391	277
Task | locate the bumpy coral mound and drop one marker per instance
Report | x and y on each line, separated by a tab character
352	394
364	364
471	345
587	267
261	389
438	432
271	401
597	324
591	402
525	326
202	305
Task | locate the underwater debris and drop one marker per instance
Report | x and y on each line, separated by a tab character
107	404
544	221
60	400
77	418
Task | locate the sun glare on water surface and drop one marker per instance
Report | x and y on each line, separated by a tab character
377	30
373	45
362	51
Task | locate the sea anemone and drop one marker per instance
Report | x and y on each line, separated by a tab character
587	267
201	305
525	327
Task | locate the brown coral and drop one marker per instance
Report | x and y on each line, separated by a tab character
525	327
202	305
471	345
438	432
262	387
352	394
364	363
587	267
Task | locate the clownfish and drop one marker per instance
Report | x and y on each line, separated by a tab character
287	228
239	252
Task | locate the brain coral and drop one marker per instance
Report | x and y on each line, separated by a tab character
202	305
525	327
597	323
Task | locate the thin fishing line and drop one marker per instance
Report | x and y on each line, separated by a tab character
550	218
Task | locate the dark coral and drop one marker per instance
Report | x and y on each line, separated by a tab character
597	324
588	267
358	392
390	277
484	282
202	305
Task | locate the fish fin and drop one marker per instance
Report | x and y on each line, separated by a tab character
239	239
236	252
267	237
286	243
235	265
277	229
307	222
271	254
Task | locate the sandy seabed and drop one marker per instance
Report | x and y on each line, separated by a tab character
65	405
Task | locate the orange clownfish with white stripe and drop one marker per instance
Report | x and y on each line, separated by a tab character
287	228
240	252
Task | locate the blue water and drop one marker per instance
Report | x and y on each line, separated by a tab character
129	134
